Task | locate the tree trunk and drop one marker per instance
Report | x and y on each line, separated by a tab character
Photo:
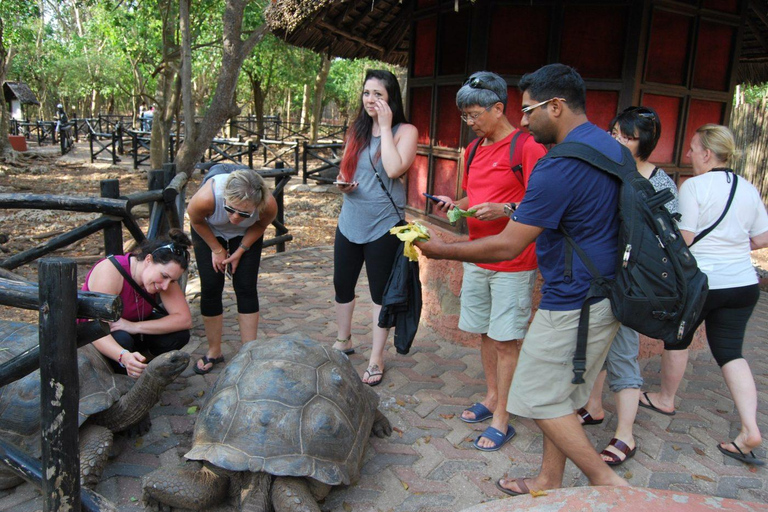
258	104
5	61
304	108
317	110
223	107
164	94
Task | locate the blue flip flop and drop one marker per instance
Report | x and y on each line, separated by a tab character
497	436
480	411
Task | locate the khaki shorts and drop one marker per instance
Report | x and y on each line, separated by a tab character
542	388
496	303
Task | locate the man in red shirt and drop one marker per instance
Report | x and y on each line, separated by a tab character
495	297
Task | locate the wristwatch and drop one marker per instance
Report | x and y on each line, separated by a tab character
509	209
244	247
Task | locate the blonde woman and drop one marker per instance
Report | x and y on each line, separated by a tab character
229	214
716	193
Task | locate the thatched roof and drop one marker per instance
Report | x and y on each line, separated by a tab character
19	91
753	64
380	29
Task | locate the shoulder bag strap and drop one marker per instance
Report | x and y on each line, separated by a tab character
147	297
381	183
722	216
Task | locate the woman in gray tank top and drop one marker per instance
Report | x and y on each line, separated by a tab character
379	148
229	214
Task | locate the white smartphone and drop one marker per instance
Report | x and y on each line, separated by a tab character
344	183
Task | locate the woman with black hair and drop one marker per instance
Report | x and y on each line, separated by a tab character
639	129
143	279
379	148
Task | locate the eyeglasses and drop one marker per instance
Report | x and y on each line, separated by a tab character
175	249
621	138
527	110
242	214
473	117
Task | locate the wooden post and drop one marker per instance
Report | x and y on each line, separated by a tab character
90	143
113	235
157	226
59	387
304	165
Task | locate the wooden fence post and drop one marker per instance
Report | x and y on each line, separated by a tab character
280	207
113	235
158	224
59	387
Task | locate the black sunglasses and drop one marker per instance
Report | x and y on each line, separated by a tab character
242	214
178	251
477	83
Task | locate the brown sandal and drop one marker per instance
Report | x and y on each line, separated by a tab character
620	445
587	418
520	485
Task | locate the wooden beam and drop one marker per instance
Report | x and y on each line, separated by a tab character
760	14
345	34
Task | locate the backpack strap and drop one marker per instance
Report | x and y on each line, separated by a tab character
472	151
147	297
722	216
516	155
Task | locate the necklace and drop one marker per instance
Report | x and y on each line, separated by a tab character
139	310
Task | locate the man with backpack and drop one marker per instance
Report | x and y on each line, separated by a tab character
563	195
495	297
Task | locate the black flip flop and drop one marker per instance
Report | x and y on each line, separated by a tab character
652	407
213	362
741	456
587	418
372	372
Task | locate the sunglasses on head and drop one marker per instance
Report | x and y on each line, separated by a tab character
242	214
178	251
477	83
640	112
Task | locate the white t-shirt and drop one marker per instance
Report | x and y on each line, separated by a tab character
724	253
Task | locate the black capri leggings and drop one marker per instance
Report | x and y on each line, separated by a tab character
155	344
726	313
244	280
348	260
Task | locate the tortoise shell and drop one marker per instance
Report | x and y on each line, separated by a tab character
20	420
287	406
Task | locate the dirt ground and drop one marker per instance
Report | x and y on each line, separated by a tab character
309	216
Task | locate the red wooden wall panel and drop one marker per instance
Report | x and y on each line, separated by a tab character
454	33
599	51
448	126
417	182
518	39
668	108
666	61
731	6
421	112
700	112
602	107
444	183
713	54
514	104
424	47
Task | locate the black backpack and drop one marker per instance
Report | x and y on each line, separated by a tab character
658	290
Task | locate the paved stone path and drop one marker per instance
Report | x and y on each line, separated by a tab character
429	463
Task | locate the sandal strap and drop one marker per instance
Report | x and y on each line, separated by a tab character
619	445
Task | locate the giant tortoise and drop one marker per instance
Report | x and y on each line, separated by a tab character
287	419
109	402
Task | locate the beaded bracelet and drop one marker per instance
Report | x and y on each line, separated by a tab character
120	358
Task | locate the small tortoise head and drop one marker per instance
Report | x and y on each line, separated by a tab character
166	367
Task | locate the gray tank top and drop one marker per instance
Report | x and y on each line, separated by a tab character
218	221
367	213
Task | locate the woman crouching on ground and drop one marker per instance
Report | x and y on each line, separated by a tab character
144	279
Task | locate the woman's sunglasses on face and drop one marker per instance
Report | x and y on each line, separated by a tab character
244	215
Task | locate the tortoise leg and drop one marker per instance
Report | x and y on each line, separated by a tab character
8	479
291	494
185	488
95	444
381	426
254	494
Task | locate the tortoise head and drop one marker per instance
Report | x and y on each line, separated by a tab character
166	367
